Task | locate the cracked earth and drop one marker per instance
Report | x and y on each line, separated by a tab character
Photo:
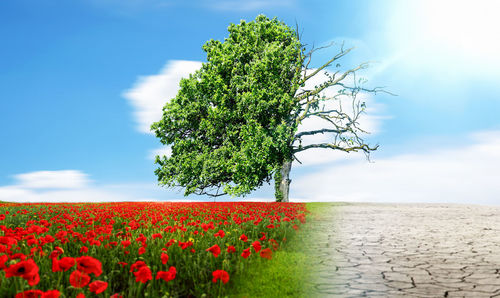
417	250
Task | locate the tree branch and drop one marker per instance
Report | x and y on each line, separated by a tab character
330	83
336	57
363	147
324	130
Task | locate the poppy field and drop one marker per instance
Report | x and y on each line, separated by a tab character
137	249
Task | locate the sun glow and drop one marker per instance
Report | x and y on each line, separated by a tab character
471	28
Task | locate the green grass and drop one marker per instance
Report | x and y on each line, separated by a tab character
288	273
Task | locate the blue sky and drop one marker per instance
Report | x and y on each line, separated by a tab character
80	81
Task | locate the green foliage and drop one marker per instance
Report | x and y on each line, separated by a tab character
231	125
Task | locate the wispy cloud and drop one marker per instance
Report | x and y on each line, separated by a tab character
150	93
72	186
52	179
467	174
163	151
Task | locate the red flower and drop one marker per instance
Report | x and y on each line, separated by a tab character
38	293
56	252
123	264
220	233
98	286
220	274
51	294
266	253
126	243
231	249
79	279
84	250
26	269
137	265
141	250
80	295
30	294
164	258
215	250
246	253
89	265
116	295
167	275
157	235
256	245
65	263
243	238
3	259
143	274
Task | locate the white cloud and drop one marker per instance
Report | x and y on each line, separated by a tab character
52	179
458	175
43	186
73	186
150	93
163	151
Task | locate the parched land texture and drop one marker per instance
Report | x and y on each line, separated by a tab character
411	250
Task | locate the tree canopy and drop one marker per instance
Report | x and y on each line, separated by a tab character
233	123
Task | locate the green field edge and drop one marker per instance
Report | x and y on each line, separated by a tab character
288	273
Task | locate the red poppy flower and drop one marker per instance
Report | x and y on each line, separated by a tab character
123	264
51	294
243	238
84	250
157	235
79	279
246	253
116	295
137	265
80	295
89	265
220	233
143	274
167	275
164	258
98	286
220	274
26	269
126	243
141	250
266	253
65	263
30	294
256	246
39	293
231	249
215	250
3	259
56	252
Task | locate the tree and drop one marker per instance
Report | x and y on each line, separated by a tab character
233	124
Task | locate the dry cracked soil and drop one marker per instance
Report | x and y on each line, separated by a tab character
411	250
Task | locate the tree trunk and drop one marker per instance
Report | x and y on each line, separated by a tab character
282	183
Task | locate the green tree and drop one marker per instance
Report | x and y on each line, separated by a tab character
233	124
